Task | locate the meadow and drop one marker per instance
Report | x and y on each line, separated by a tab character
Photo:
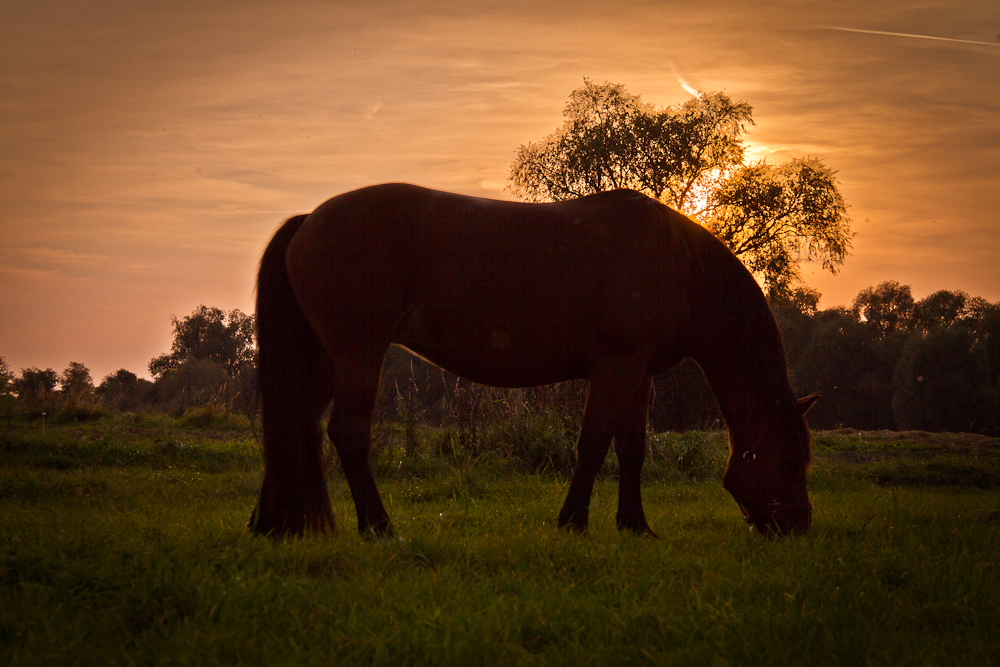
123	541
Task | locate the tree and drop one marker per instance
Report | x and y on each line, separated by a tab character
6	378
123	390
794	311
943	383
835	362
691	157
886	309
943	308
75	382
209	334
611	139
35	385
773	217
195	382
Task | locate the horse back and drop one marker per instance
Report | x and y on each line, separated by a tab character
504	293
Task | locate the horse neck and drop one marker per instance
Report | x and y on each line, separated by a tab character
744	360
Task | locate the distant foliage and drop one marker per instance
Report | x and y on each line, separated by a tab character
75	383
124	390
211	361
887	362
943	383
891	362
227	338
6	378
35	384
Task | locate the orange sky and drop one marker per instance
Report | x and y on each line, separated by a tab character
147	150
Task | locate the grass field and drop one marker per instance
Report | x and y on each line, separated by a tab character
124	542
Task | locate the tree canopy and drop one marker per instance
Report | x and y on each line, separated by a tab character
35	384
692	157
213	334
75	382
6	378
886	309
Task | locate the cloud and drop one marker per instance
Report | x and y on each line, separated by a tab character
903	34
61	257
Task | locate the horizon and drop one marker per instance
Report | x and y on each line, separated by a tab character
149	152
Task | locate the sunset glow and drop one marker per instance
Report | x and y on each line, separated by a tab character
147	152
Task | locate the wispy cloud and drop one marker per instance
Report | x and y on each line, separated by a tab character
903	34
58	256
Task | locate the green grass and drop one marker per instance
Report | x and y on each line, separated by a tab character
124	542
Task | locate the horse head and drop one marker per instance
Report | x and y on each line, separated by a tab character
766	475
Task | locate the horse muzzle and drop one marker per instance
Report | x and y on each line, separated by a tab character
777	519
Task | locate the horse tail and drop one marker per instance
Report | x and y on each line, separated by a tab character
291	363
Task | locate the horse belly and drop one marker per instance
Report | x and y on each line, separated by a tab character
497	339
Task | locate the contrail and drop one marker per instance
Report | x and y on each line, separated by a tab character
903	34
684	84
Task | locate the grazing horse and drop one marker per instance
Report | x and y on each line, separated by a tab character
614	288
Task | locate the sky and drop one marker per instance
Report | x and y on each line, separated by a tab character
148	150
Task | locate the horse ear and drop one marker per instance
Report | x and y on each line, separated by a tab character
806	402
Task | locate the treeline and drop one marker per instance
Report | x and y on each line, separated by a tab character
886	362
211	363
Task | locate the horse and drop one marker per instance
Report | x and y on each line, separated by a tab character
613	287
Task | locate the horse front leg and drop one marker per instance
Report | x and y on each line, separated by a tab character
613	383
630	447
592	449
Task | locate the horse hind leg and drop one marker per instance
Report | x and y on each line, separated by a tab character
350	432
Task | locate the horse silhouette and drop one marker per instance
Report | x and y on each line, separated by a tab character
614	287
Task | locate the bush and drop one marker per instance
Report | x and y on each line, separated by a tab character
699	455
194	382
213	416
83	411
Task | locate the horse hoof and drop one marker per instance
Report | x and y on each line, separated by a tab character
639	530
378	532
575	528
574	522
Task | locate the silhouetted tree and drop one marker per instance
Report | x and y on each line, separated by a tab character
209	333
76	383
834	363
774	217
885	309
942	308
794	310
943	384
6	378
194	382
985	324
611	139
35	383
124	390
691	157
